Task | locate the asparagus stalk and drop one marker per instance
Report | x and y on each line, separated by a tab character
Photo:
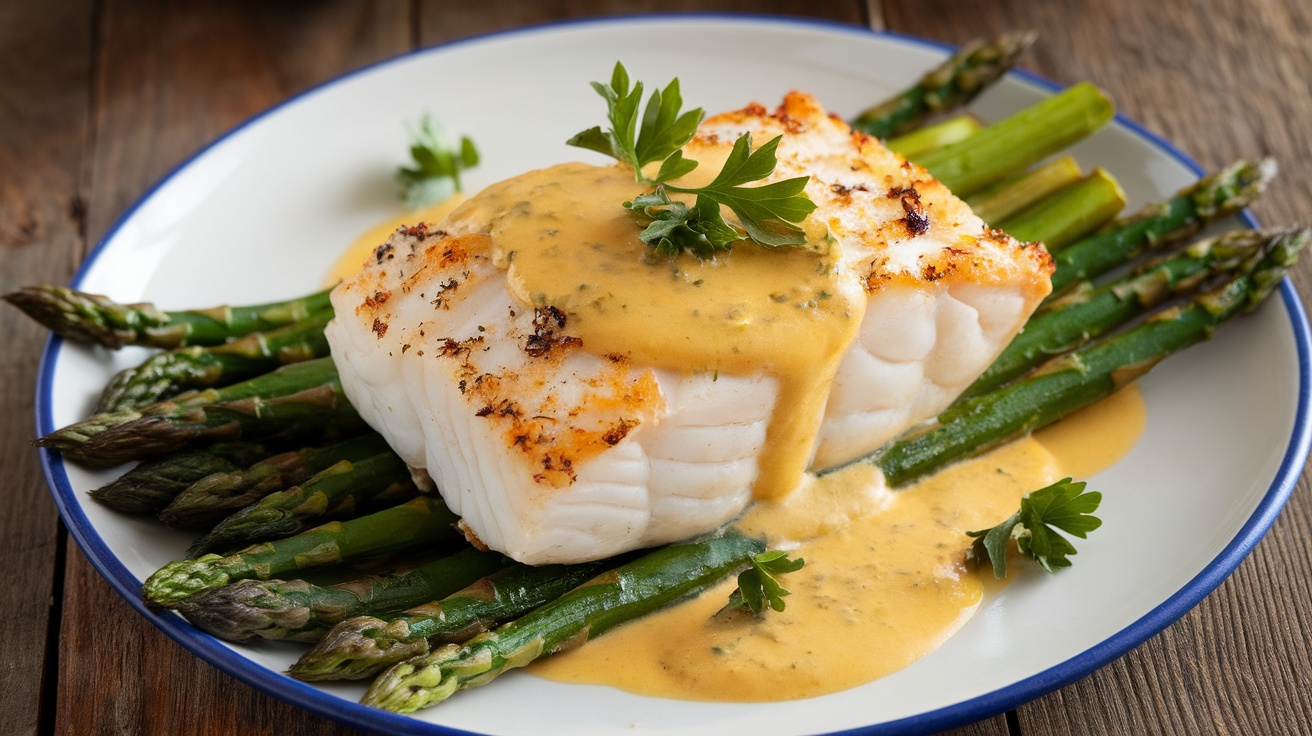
151	485
1088	312
627	592
1019	141
298	400
341	490
213	497
1070	213
296	610
96	319
363	646
420	524
1079	378
170	373
1158	225
1006	198
953	83
931	137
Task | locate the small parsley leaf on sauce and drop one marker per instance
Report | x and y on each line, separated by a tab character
437	165
758	587
1063	505
768	215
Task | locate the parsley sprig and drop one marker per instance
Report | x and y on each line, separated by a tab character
768	214
664	129
436	173
1063	505
758	588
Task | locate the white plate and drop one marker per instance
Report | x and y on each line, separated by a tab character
261	213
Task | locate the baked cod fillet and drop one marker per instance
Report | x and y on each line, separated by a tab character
554	445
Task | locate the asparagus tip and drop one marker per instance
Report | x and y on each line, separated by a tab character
357	648
1283	254
247	609
182	579
106	440
416	683
1232	188
71	313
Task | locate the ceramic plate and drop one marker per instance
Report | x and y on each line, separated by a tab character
260	214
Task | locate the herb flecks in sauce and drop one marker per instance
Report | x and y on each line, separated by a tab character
677	313
885	581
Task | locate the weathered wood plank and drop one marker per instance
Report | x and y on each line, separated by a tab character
443	21
1222	82
173	76
45	93
170	78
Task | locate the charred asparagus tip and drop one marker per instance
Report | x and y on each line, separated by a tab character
81	316
1232	188
980	62
951	84
244	609
182	579
357	648
73	437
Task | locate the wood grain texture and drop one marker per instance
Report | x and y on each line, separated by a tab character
100	99
121	675
1220	88
171	77
45	82
442	21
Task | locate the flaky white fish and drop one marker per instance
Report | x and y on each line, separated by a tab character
551	453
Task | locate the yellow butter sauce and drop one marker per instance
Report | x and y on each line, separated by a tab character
566	242
884	583
361	248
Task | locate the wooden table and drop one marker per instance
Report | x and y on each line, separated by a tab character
100	99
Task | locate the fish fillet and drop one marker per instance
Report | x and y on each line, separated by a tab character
552	452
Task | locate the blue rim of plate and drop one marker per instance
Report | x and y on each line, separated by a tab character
997	701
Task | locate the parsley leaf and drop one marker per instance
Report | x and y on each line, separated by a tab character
663	132
1063	505
675	226
767	214
757	587
436	175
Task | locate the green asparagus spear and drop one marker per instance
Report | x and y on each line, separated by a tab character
342	490
932	137
153	484
298	400
1209	199
361	647
213	497
1068	214
1079	378
423	523
96	319
953	83
1010	196
1088	312
627	592
296	610
170	373
1021	140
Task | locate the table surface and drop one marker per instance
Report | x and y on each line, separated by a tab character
100	98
